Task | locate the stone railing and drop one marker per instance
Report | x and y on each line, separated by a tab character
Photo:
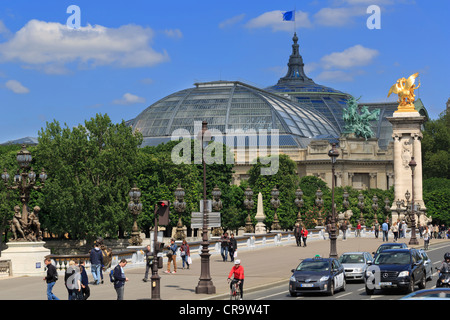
5	268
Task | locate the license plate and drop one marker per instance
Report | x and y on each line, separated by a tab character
385	283
307	285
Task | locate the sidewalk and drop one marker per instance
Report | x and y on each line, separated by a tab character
263	267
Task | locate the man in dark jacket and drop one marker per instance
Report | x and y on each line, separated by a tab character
297	234
232	246
120	279
224	242
52	276
85	290
96	258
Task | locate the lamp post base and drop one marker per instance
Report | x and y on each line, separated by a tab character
206	287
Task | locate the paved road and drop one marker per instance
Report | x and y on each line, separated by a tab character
264	268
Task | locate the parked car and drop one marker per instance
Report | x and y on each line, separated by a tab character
428	264
355	264
386	246
317	275
396	268
429	294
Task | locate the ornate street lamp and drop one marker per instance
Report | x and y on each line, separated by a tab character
26	222
248	204
333	154
135	208
299	202
216	206
180	206
275	202
413	239
205	284
361	208
319	204
375	205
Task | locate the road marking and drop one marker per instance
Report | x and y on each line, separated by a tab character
343	295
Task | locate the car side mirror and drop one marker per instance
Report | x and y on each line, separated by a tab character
292	270
373	253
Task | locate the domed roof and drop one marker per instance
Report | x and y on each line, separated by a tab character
231	106
306	92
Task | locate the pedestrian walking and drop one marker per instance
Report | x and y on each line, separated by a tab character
343	228
421	228
376	228
172	256
51	278
120	279
96	258
77	294
185	253
69	277
304	234
394	229
400	228
85	290
148	259
224	243
426	239
297	234
358	229
385	230
232	247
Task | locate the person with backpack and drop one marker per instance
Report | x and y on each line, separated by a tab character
51	278
118	276
172	256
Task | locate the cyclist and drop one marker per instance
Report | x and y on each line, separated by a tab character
237	271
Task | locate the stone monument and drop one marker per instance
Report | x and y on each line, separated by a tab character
407	135
260	227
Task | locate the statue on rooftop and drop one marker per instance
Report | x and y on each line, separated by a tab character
356	122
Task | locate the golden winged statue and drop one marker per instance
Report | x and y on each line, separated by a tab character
405	90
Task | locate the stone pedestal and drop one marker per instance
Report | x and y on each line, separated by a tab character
260	227
27	258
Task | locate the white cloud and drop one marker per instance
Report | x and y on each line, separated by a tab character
337	17
50	45
128	99
16	87
355	56
231	21
274	20
173	33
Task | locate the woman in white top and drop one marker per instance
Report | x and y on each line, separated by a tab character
394	229
426	238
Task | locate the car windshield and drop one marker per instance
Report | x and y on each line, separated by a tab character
392	246
393	258
352	258
315	266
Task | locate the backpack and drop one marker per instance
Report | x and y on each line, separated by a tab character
111	276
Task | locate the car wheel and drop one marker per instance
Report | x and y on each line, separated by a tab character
370	292
331	292
343	285
423	282
410	288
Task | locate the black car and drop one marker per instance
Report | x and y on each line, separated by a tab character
396	268
386	246
317	275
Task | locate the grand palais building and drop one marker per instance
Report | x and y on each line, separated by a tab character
308	116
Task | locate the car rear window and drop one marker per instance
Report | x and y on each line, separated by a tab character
352	258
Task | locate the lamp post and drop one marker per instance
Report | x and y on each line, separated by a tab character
275	202
135	207
333	154
361	207
216	206
299	202
248	204
24	182
319	204
179	206
413	239
205	284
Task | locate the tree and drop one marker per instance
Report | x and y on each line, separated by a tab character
436	147
90	171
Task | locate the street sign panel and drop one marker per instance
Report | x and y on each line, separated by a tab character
213	220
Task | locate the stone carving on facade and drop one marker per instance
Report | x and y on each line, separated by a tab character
406	153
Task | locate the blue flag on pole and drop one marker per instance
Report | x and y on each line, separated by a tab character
289	16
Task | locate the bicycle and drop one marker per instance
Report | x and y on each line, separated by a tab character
235	293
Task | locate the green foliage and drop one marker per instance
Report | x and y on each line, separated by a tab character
438	205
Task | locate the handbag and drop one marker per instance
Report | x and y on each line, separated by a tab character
235	254
189	260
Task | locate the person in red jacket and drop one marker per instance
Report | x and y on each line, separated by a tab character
304	234
237	271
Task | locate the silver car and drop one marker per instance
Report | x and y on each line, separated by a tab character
355	264
427	263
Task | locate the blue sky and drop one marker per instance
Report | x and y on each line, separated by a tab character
129	54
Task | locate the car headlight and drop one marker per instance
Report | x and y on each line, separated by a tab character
357	270
324	278
292	279
403	274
